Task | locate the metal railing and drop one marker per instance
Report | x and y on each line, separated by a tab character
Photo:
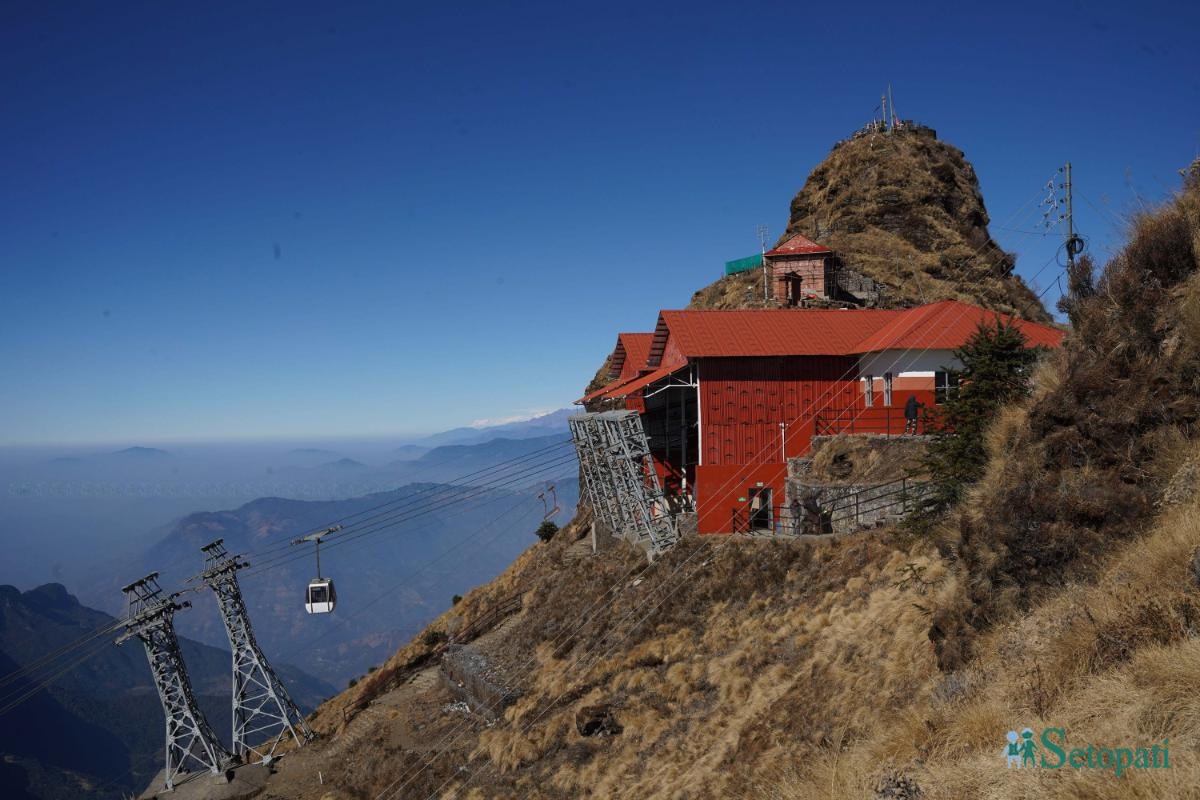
488	620
886	421
902	496
900	493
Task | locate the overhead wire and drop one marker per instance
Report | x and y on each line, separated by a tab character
728	482
47	659
391	522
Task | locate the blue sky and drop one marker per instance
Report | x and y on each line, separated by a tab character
297	220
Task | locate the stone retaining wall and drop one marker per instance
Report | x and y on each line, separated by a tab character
826	508
476	681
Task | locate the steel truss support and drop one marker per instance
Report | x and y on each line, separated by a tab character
263	713
191	743
620	478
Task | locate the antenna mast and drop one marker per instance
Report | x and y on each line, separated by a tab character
1074	243
190	739
761	230
260	703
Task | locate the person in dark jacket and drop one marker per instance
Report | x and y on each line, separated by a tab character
912	410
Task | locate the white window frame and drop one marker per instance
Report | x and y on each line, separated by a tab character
887	388
869	391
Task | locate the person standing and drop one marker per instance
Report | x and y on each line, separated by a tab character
912	410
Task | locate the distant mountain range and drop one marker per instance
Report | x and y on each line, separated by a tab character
141	452
554	422
418	547
97	729
78	513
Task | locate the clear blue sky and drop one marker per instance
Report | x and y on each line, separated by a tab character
302	219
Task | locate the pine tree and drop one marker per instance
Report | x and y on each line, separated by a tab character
996	366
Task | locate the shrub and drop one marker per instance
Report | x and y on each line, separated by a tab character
433	637
1093	456
353	682
546	530
456	599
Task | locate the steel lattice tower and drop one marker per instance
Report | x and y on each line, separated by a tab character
619	476
190	739
260	703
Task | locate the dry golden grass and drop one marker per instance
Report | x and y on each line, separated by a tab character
1113	662
785	670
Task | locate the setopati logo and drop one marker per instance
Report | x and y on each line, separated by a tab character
1024	750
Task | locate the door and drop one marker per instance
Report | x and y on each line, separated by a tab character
760	509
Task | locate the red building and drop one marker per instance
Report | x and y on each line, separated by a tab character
727	397
799	269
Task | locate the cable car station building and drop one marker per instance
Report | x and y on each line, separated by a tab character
726	397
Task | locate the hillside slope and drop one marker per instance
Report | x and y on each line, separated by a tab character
1063	593
905	210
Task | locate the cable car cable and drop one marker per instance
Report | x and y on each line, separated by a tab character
731	480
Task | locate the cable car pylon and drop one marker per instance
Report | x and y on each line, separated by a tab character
263	712
191	741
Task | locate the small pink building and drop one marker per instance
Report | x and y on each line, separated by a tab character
799	269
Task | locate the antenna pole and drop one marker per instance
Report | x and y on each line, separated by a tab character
762	246
260	703
883	102
1070	219
1075	244
892	102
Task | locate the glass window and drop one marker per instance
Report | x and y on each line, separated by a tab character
869	391
887	388
945	384
317	594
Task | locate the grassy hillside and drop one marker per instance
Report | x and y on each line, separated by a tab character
1062	593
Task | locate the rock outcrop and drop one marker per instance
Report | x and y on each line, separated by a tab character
904	209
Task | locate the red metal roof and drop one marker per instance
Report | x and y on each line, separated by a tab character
629	356
825	332
628	388
608	387
766	332
798	245
945	326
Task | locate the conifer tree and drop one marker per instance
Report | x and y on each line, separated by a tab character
995	372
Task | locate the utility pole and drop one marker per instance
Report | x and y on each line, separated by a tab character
761	230
1074	243
190	739
260	703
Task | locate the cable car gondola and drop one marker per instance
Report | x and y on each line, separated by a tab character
321	596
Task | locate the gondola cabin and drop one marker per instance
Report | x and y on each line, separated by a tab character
321	596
